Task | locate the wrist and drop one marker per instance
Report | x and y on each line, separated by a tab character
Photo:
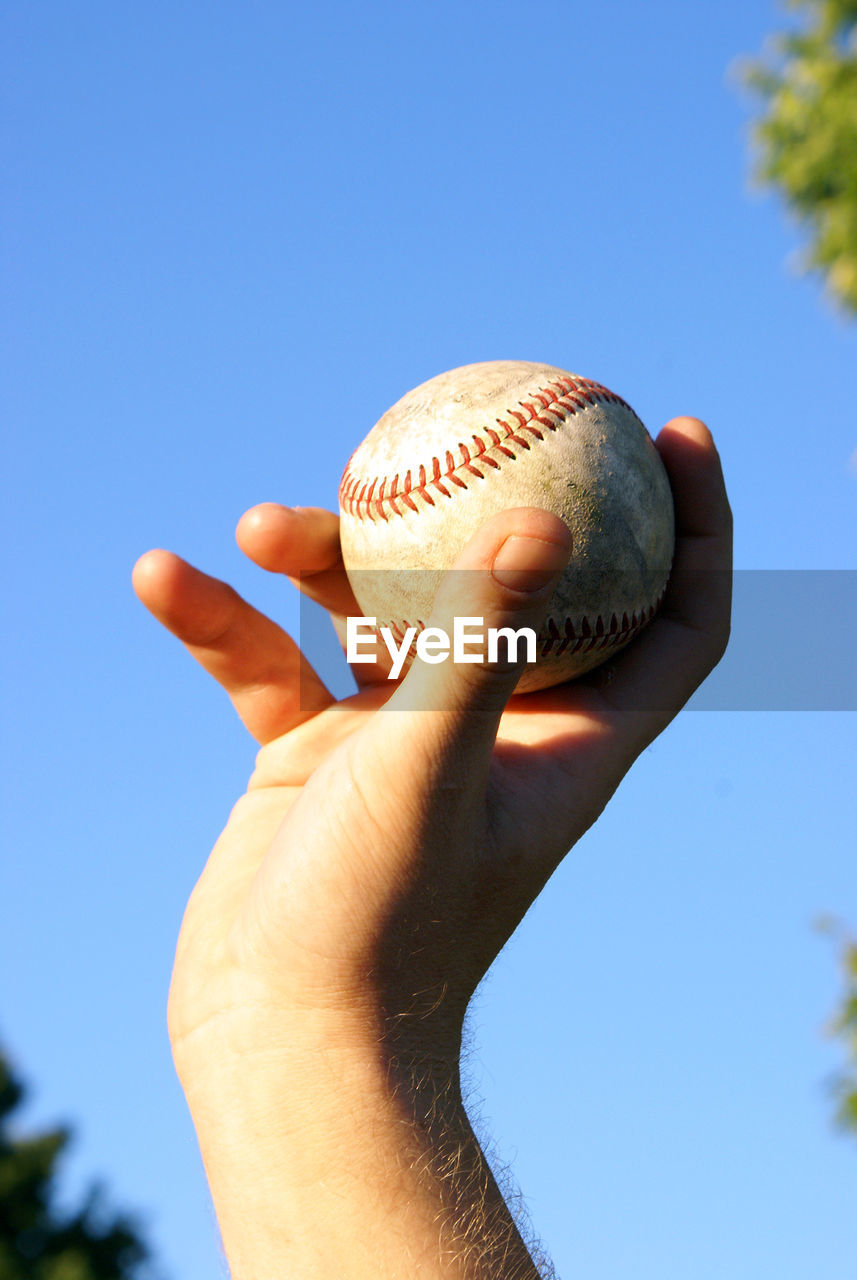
303	1141
302	1144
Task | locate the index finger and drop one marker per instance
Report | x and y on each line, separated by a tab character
302	543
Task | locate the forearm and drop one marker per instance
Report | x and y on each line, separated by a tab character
330	1159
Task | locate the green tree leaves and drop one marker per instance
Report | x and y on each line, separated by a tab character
845	1026
806	138
36	1242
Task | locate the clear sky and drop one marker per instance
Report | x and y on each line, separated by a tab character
235	233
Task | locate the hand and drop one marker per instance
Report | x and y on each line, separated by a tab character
383	854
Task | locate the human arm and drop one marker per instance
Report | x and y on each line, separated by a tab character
377	864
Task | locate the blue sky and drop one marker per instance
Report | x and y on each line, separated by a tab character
237	233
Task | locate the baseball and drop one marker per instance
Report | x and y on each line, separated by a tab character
507	433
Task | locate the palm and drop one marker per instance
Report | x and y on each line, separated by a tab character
301	881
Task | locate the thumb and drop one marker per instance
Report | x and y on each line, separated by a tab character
503	577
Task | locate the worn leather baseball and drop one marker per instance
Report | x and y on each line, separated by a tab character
503	434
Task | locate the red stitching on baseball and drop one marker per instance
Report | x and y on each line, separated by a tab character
593	634
369	498
562	398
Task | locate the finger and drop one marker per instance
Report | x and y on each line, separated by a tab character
504	577
656	675
271	685
303	544
366	674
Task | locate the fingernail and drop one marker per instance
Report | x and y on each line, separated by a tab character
528	564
